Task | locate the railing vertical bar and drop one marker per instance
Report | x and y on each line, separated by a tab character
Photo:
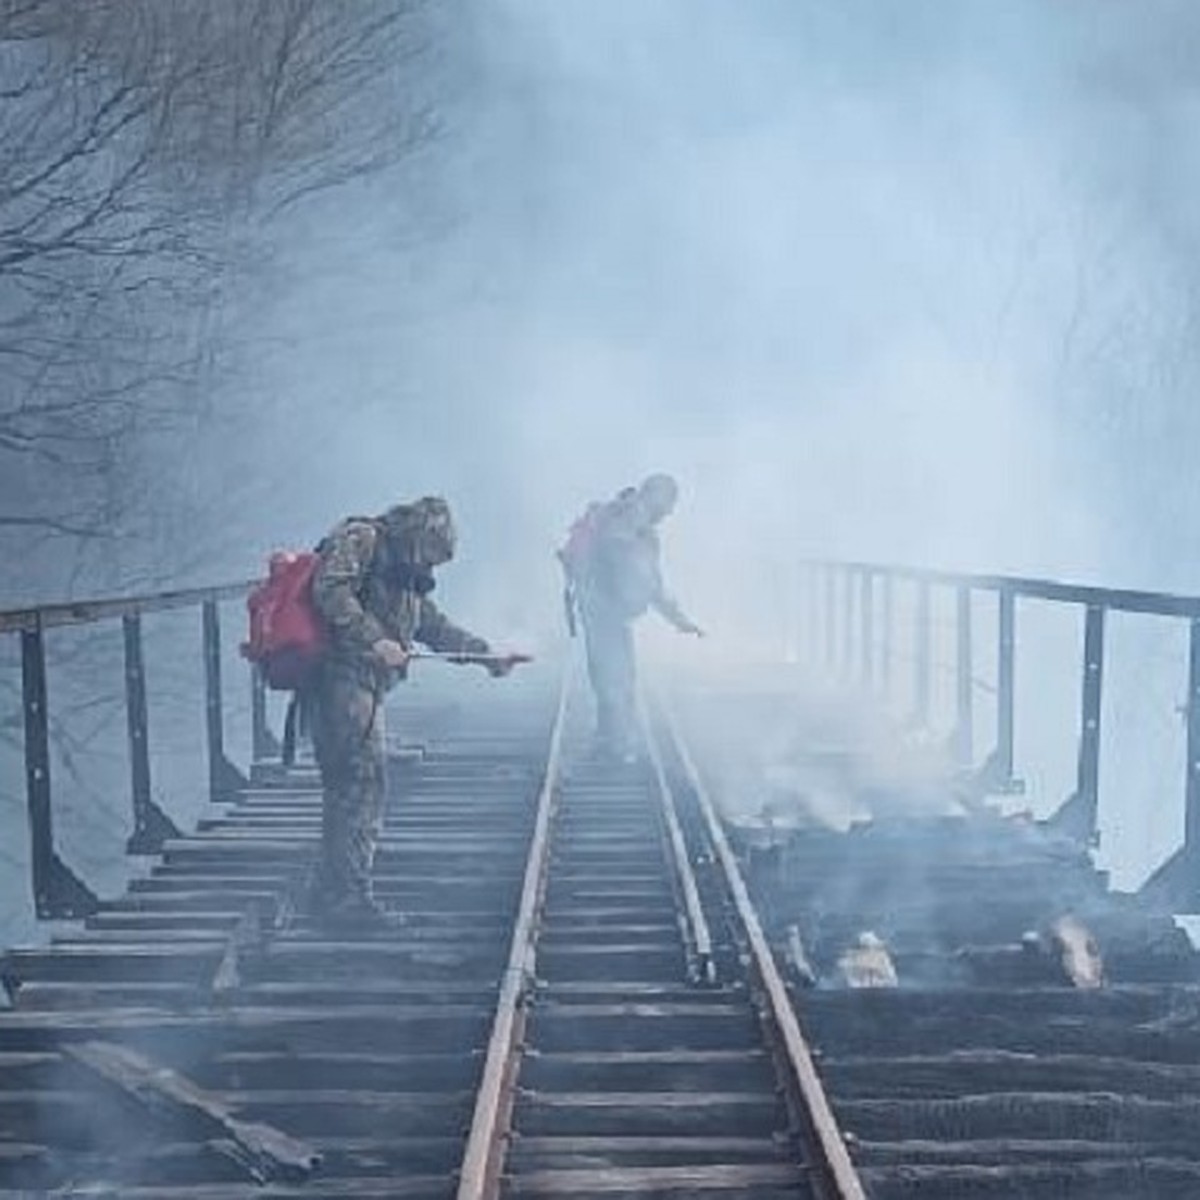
886	648
793	616
922	653
848	629
37	766
137	722
964	728
1087	786
213	706
1005	687
830	618
1192	819
867	618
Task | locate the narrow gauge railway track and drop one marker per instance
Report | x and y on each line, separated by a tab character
568	1010
644	1045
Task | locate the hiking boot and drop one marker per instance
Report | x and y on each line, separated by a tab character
358	914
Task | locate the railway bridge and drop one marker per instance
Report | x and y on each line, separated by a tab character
623	981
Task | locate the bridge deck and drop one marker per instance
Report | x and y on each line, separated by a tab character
200	1037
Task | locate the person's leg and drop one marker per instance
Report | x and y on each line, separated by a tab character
347	716
614	679
597	636
623	688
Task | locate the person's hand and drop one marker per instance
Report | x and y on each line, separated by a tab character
503	664
391	654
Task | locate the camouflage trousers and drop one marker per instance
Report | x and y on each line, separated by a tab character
345	708
612	670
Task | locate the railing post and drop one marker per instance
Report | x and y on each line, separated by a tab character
848	626
37	764
1191	844
1006	679
867	618
791	617
830	617
224	779
964	726
814	615
151	826
996	774
57	893
922	654
1176	884
885	661
1087	786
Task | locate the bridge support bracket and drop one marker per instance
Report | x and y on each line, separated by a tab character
153	828
995	778
1076	819
226	780
1176	884
62	896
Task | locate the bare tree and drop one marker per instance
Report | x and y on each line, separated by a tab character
144	144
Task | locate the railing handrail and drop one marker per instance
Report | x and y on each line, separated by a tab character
846	599
83	612
1162	604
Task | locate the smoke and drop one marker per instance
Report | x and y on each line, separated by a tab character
900	283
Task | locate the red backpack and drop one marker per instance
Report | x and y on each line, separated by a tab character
287	635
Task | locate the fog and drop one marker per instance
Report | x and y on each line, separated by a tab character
907	283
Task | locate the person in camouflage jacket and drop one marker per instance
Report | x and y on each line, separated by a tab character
615	576
372	586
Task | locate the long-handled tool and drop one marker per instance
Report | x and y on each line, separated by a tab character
445	656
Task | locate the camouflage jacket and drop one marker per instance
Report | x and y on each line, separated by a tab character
361	605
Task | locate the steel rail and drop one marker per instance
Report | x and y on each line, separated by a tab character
832	1172
483	1157
697	935
1161	604
84	612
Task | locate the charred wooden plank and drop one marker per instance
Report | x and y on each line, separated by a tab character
1091	1116
1000	1070
555	1153
430	1187
1162	1178
381	1028
1011	1152
688	1181
266	1152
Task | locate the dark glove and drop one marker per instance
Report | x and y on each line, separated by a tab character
499	667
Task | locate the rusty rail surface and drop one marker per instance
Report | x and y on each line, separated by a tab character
833	1174
702	967
483	1157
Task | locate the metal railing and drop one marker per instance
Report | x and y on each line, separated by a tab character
58	893
850	612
